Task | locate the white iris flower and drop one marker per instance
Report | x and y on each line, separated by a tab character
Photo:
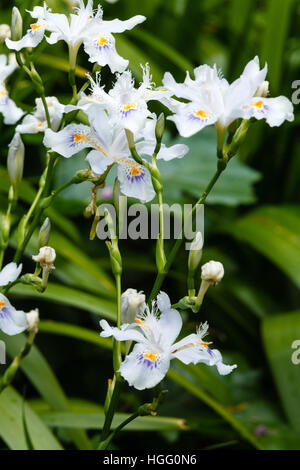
37	121
155	334
212	100
84	27
126	105
12	321
8	108
109	144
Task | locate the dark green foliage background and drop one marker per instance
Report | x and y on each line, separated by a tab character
252	225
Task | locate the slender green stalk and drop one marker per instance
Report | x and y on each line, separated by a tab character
111	411
161	276
14	366
104	444
43	98
35	209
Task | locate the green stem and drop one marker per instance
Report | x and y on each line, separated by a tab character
14	367
43	98
104	444
43	191
117	357
111	411
161	276
160	251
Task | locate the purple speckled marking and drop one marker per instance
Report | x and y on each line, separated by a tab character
147	362
210	352
192	117
125	113
135	178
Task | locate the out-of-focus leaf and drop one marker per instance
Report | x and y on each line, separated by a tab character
279	333
192	173
59	63
278	17
163	48
74	331
12	426
216	406
65	295
85	420
136	56
40	374
27	194
274	232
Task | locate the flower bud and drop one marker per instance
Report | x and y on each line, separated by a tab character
44	234
5	32
160	127
16	24
33	320
262	90
15	160
239	137
195	252
132	304
46	257
212	272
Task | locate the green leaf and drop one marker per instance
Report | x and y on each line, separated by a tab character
136	56
74	331
216	406
278	18
274	232
85	420
39	372
279	333
12	424
164	49
73	297
191	174
27	194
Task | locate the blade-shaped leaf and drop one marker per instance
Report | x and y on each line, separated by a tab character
274	232
279	334
65	295
12	424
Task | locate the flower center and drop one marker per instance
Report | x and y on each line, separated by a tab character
201	114
79	137
258	104
150	355
102	41
202	343
35	26
2	304
129	106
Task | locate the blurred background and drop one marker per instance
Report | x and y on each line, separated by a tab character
252	225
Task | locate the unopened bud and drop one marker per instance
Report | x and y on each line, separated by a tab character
212	272
16	24
15	160
5	32
195	252
262	90
44	234
33	320
132	304
239	137
46	257
160	127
